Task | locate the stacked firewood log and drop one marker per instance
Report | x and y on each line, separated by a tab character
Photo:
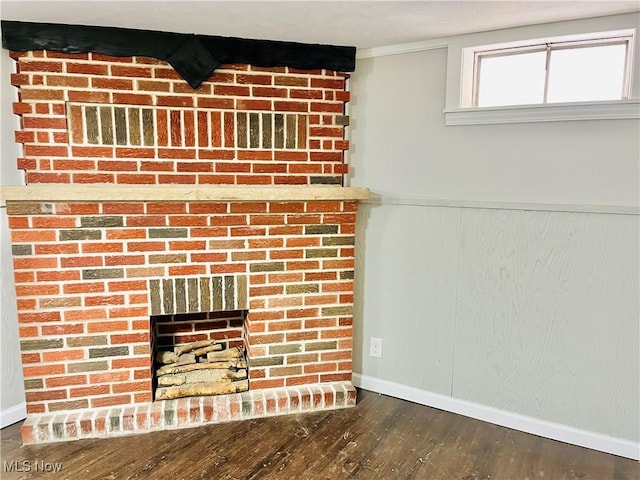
200	368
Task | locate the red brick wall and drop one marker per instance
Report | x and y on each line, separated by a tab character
198	134
82	273
83	270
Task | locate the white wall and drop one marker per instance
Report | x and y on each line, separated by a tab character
507	306
11	388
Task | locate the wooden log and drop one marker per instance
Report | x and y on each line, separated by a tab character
235	352
200	376
166	358
168	369
188	347
186	359
194	389
205	350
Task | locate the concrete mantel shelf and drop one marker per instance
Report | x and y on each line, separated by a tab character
173	193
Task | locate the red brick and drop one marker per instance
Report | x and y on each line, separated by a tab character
221	103
251	104
129	338
132	99
31	358
74	164
67	81
157	166
45	395
92	152
43	370
111	326
231	90
64	329
39	317
306	94
188	270
111	83
175	101
54	123
284	106
39	66
22	108
34	263
269	92
126	71
92	178
290	180
185	153
93	97
327	107
135	152
62	356
85	314
154	85
136	179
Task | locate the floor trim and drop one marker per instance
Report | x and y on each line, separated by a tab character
555	431
13	414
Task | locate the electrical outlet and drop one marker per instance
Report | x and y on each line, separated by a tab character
375	347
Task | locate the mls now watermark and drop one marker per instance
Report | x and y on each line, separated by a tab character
26	466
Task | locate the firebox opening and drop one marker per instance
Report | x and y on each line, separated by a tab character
199	354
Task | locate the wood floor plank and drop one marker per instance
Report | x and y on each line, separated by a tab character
381	438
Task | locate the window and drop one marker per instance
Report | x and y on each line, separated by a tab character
592	69
566	74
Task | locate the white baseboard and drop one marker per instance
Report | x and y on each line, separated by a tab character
13	414
555	431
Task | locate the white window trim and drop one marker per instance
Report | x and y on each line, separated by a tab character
548	112
460	69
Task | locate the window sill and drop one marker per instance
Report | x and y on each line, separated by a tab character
557	112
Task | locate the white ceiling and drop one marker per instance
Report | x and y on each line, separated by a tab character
364	24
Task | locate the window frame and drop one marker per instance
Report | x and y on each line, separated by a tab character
458	109
549	47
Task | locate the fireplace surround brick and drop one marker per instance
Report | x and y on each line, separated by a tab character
91	272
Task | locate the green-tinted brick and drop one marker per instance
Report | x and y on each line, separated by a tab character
108	352
283	349
312	347
20	208
326	180
168	258
337	241
266	361
168	233
88	367
65	235
26	345
346	275
320	229
101	221
321	253
341	120
58	429
337	311
267	267
303	288
99	273
18	250
33	384
86	341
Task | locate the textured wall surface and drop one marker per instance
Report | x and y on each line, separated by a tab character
530	311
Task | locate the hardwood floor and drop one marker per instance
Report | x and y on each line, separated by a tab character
382	438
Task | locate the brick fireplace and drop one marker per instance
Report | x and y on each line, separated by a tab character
147	198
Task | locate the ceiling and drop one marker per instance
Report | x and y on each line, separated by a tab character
364	24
